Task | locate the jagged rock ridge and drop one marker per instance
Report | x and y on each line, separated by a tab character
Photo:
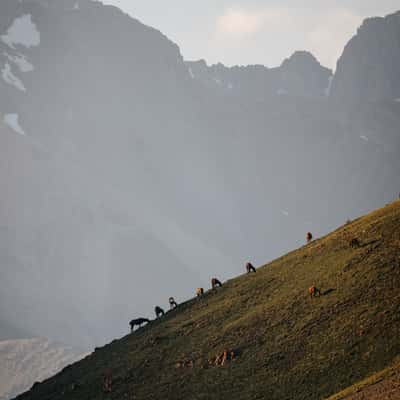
300	75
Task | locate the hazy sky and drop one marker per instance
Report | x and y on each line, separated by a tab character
257	31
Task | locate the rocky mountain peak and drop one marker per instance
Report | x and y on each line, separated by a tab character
369	66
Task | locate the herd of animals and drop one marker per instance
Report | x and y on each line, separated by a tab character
173	304
313	291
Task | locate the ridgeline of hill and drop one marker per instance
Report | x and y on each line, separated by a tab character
287	346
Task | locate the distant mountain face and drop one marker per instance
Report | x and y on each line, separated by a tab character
300	75
10	331
369	66
128	176
26	361
81	110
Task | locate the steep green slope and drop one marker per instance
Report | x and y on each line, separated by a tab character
288	346
382	385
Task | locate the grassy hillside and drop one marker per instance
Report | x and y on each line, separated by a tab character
382	385
288	346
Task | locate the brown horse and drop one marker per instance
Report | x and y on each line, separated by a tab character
226	355
313	291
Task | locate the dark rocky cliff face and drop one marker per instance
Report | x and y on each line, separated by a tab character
303	75
368	69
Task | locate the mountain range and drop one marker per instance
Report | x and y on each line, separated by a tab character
129	174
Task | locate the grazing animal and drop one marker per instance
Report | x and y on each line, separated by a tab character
226	355
215	283
138	322
172	303
309	237
159	311
218	360
250	268
354	242
200	292
314	291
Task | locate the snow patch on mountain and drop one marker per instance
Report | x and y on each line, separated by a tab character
329	87
21	62
11	79
12	121
191	73
22	31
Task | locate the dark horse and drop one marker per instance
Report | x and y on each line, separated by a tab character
159	311
138	322
250	268
215	283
